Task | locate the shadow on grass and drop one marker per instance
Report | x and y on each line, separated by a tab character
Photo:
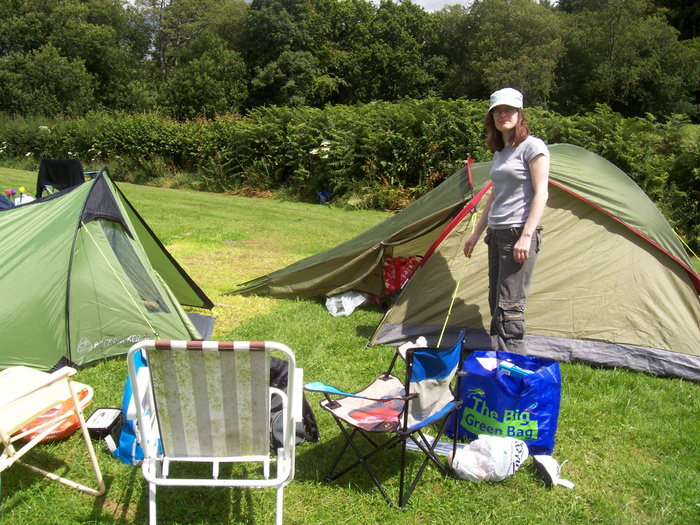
213	505
126	501
315	459
365	332
19	480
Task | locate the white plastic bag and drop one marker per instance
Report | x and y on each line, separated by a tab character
490	458
345	304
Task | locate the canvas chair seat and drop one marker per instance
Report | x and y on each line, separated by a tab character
399	410
209	402
376	408
25	395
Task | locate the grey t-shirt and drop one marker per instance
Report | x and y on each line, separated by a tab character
512	183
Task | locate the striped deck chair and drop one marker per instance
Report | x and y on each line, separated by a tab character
400	411
209	401
26	395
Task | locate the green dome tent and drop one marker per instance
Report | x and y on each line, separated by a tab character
83	278
613	285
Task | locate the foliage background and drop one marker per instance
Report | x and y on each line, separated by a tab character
202	58
379	155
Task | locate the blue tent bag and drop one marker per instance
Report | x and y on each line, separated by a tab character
510	395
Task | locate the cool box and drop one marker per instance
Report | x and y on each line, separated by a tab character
104	422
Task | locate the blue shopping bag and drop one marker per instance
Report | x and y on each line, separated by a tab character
510	395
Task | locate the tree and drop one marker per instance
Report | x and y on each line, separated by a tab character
287	81
42	82
274	27
25	25
684	15
394	61
229	23
176	23
620	53
341	27
500	43
210	81
100	34
377	52
339	51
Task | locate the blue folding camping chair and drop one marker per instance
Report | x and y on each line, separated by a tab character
389	412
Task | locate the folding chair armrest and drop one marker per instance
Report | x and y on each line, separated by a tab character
298	395
323	388
38	381
143	379
61	373
331	390
51	424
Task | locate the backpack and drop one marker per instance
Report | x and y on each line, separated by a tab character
307	429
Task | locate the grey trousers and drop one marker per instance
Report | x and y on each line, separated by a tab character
509	283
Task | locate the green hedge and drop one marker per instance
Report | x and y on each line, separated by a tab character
379	155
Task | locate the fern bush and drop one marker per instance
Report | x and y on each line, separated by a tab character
379	155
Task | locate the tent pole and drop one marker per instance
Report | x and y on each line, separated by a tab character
454	294
452	302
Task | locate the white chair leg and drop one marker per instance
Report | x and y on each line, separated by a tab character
152	503
88	443
280	500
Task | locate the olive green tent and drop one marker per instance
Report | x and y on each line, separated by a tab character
613	284
83	278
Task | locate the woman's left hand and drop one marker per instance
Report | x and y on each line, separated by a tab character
521	250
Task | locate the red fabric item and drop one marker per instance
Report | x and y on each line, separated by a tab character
397	271
64	430
381	416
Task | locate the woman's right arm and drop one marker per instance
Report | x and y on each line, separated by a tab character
480	227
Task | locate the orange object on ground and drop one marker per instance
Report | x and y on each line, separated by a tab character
65	429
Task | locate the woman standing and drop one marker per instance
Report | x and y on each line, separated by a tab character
512	213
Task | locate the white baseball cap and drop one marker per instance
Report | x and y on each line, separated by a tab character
506	97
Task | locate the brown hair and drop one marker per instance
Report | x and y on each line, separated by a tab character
494	138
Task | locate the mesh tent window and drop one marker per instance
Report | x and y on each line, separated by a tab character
133	267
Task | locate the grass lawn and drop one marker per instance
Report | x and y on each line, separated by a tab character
631	439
